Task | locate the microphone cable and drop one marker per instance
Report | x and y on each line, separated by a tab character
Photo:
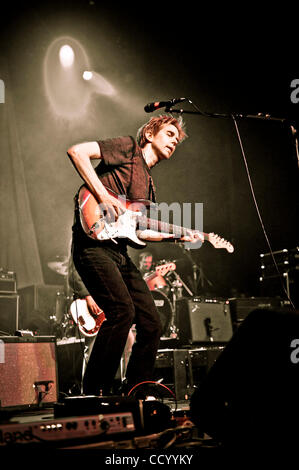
258	211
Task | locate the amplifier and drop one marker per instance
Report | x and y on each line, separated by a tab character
28	376
38	303
9	314
70	356
202	320
171	366
46	429
184	369
8	282
241	307
200	362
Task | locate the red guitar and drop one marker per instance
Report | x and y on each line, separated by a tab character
155	279
95	225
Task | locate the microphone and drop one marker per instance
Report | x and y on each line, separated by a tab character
150	107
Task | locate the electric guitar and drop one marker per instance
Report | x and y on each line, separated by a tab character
95	225
87	322
163	269
160	270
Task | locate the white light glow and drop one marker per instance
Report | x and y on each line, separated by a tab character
87	75
66	56
101	85
64	62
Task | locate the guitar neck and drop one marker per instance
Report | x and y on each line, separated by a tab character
159	226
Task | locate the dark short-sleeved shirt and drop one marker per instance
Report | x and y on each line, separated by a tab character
123	169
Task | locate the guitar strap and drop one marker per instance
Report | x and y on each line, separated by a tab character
152	191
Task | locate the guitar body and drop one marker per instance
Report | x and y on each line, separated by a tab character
88	323
95	225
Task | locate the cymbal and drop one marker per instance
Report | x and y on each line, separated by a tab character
60	267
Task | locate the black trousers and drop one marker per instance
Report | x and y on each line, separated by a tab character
117	286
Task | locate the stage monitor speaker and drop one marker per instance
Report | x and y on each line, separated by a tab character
38	303
9	314
250	395
203	321
28	375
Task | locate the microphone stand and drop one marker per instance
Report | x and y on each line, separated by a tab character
234	116
198	274
259	116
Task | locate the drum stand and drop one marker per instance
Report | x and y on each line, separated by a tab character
176	287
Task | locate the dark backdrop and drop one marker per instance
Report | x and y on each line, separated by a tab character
152	53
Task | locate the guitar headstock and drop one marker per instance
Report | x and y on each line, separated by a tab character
219	242
163	269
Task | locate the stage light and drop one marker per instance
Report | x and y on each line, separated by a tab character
66	56
70	82
64	62
87	75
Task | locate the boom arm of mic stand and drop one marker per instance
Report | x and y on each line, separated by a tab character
260	116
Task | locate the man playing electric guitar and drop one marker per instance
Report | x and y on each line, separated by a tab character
104	265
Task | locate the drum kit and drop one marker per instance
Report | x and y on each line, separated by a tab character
166	287
62	324
162	279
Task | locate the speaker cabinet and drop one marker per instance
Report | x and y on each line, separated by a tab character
250	394
200	362
172	366
203	321
9	314
37	304
70	354
242	306
28	375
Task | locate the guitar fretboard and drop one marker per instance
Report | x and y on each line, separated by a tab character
160	226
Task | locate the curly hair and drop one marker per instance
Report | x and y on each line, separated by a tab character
156	123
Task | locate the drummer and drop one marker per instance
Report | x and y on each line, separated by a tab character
145	262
